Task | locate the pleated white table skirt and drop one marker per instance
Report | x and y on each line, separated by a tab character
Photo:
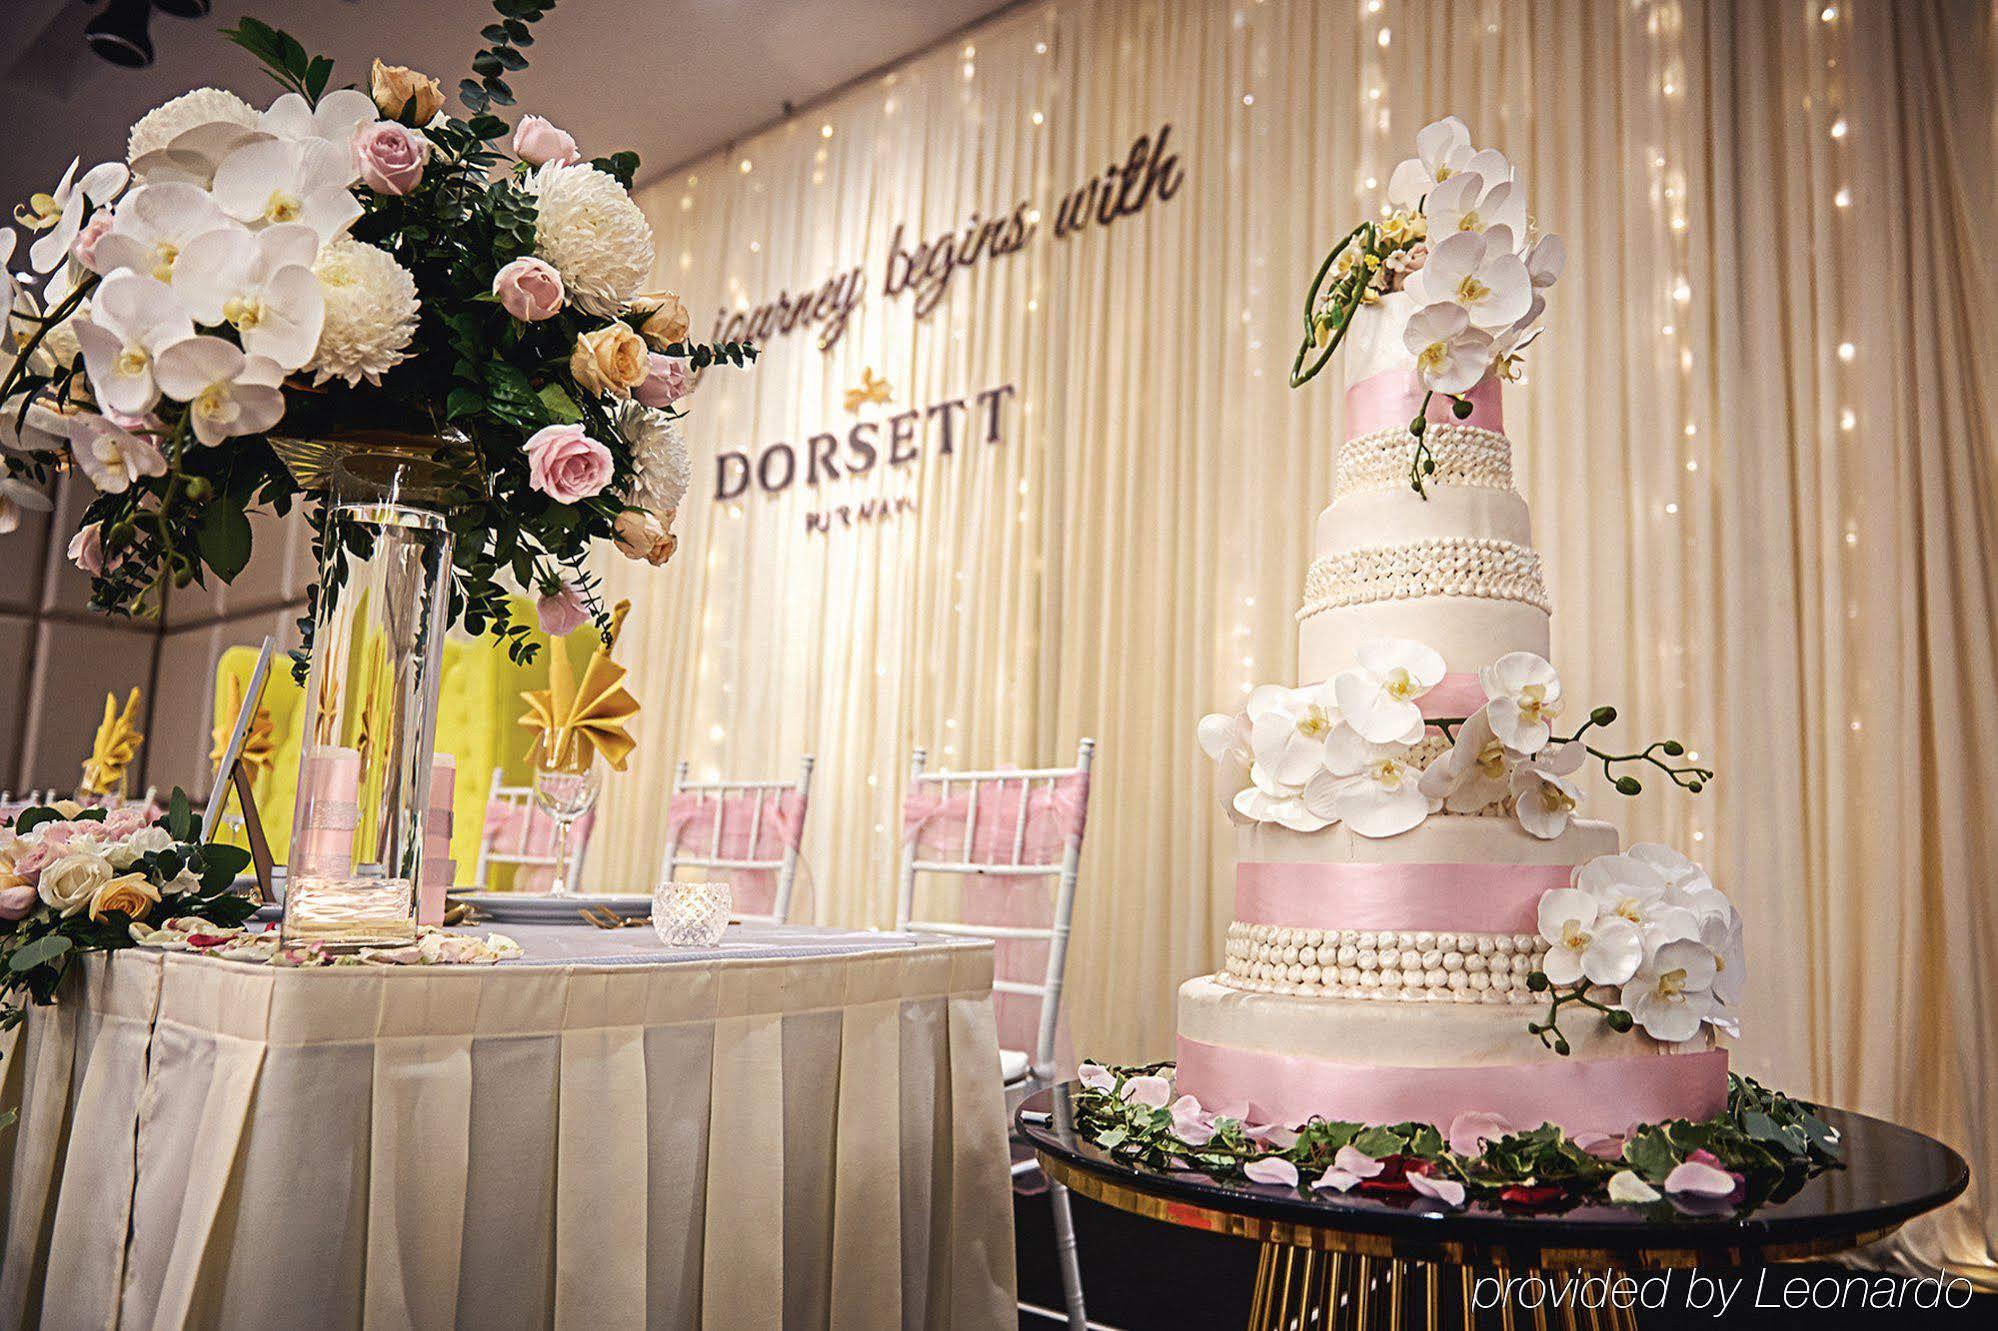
801	1135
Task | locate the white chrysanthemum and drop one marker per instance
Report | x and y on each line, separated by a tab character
157	127
661	468
593	234
371	308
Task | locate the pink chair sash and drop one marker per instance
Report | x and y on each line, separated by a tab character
690	825
1055	815
505	821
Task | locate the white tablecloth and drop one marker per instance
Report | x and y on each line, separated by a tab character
805	1130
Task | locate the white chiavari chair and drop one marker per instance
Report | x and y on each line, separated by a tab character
720	826
1002	854
515	829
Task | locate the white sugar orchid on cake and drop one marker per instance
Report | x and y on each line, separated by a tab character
1477	771
1544	799
1372	788
1378	697
1457	238
1523	697
1647	940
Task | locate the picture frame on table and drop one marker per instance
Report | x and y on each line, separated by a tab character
230	775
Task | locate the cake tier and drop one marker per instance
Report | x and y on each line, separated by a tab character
1440	840
1375	518
1469	633
1281	1058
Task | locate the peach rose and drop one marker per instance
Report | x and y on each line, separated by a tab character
646	535
610	361
129	892
529	289
662	318
403	94
390	156
566	464
536	141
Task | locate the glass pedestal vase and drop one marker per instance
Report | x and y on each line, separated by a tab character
370	705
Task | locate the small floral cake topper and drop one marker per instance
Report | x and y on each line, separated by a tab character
1456	237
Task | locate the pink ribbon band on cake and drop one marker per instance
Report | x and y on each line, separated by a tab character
1580	1095
1450	898
1393	398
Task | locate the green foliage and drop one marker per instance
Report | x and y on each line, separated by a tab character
284	59
1776	1143
502	54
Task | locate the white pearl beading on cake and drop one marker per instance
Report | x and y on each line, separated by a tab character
1465	455
1480	566
1418	966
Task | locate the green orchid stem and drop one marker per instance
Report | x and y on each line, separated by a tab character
1579	995
52	319
1299	376
1689	777
1423	461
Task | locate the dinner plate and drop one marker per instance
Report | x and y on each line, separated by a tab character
540	908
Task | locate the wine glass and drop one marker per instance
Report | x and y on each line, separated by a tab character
565	789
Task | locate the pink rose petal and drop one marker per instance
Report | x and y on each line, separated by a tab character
1095	1076
1446	1190
1271	1169
1700	1179
1149	1091
1470	1130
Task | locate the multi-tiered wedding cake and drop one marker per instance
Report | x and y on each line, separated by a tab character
1422	927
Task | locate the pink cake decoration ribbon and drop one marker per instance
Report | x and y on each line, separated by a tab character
1451	898
1393	397
1578	1094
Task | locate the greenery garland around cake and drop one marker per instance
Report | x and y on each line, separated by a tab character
1763	1149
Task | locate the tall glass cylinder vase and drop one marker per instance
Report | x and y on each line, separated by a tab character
370	706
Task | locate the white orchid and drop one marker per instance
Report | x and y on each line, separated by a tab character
1670	994
59	214
44	422
227	392
1715	921
1585	942
1482	197
1544	799
9	287
194	155
1264	800
1371	788
1450	355
1441	150
1288	729
1477	771
1506	348
1479	272
1545	258
132	319
335	119
112	456
261	283
1225	737
1628	888
1377	698
276	181
1524	697
16	499
153	225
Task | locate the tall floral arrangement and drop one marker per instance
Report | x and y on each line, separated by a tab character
349	264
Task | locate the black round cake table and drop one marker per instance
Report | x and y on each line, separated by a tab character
1332	1260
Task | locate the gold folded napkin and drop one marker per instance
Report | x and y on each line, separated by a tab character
575	722
259	742
116	745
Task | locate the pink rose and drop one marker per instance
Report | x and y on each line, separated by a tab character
530	289
38	855
562	612
86	548
390	156
665	382
84	247
565	464
536	141
17	901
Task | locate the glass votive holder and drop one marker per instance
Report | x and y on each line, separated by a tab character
690	914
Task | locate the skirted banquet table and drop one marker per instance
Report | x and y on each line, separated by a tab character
803	1127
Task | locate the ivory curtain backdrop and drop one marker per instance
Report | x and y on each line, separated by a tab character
1756	440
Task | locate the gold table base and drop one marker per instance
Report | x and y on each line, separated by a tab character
1305	1289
